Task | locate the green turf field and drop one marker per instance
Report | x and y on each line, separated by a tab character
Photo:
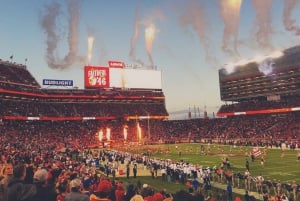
279	165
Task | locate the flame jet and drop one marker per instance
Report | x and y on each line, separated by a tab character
230	12
150	32
90	49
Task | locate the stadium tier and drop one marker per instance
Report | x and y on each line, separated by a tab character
271	85
19	90
120	115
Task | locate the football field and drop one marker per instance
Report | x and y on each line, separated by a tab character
279	164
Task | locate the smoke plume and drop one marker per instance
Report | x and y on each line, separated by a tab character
230	13
288	22
194	17
48	23
263	23
134	38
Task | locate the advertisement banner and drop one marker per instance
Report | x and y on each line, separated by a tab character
116	64
51	82
96	77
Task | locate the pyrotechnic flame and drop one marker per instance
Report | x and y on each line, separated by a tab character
139	131
150	32
149	37
123	79
100	135
90	48
125	132
108	133
235	3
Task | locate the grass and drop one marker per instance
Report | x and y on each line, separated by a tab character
276	167
280	167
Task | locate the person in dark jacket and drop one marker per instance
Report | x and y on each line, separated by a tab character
44	191
16	190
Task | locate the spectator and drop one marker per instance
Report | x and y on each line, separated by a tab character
237	198
130	192
229	192
102	192
44	192
120	192
137	197
87	186
157	197
62	190
5	176
75	194
16	190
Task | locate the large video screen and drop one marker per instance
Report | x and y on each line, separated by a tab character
106	77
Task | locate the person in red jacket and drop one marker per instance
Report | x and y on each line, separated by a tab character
120	192
102	192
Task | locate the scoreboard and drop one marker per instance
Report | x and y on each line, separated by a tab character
118	77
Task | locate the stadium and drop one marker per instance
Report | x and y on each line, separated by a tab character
122	107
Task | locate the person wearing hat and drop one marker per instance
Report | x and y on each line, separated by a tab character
76	194
102	192
44	191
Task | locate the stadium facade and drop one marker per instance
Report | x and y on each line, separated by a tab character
111	98
260	83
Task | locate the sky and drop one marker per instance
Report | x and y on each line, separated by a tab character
187	40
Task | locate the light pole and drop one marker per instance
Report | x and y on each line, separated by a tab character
148	127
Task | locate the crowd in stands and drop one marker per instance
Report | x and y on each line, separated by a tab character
259	104
73	109
40	172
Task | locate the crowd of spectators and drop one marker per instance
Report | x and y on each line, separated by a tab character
46	174
260	104
75	109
